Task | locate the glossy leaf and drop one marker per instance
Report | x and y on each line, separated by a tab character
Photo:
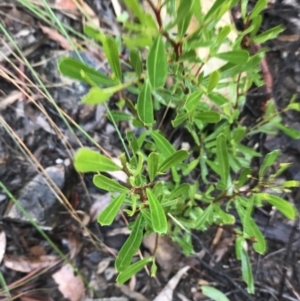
107	184
294	106
192	101
222	158
292	132
244	176
268	34
131	245
158	216
72	68
97	96
108	215
291	184
285	207
213	293
153	269
247	271
173	160
87	160
157	66
153	160
184	16
132	270
213	81
236	57
269	160
181	190
112	55
136	61
204	217
162	144
145	104
208	117
259	6
251	228
119	116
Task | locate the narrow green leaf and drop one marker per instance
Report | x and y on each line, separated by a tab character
213	293
218	98
291	184
192	101
162	144
184	16
292	132
244	176
181	190
190	167
135	7
153	269
131	245
136	61
294	106
215	7
247	271
268	34
181	117
132	270
108	184
153	160
157	66
285	207
239	247
222	158
213	81
139	165
204	217
158	216
236	57
119	116
92	32
97	96
173	160
87	160
108	215
259	6
251	228
111	51
208	117
72	68
133	143
269	160
227	219
145	104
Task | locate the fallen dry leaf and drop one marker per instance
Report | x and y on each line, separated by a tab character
167	293
101	201
10	99
70	285
221	249
102	266
66	4
167	254
117	7
28	264
2	245
54	35
93	19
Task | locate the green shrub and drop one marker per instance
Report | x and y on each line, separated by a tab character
165	73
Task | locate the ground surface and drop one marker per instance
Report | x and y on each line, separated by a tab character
33	136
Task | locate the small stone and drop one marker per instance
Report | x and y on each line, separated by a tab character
38	199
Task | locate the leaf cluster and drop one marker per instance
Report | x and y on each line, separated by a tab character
165	73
